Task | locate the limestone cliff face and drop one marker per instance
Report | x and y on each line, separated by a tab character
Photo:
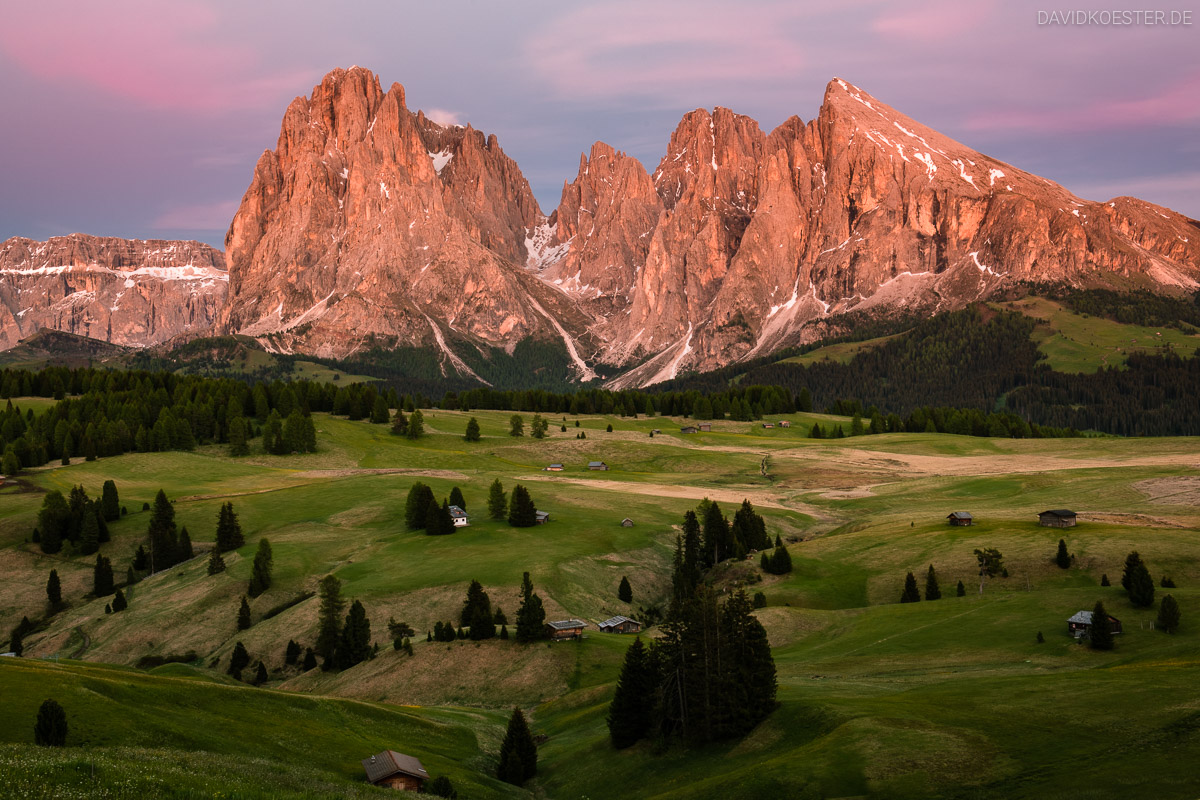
125	291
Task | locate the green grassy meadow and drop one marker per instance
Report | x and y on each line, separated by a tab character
952	698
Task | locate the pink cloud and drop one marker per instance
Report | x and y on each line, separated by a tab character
443	117
173	55
934	20
197	217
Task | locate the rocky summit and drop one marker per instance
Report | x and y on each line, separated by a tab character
370	223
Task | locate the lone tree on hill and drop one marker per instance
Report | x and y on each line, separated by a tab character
215	562
1141	586
260	674
1062	557
932	590
780	562
522	513
50	730
53	591
292	655
911	593
518	752
416	425
1101	634
329	620
1168	614
238	661
539	427
472	434
991	564
1131	563
516	425
399	424
229	530
625	591
497	504
260	576
960	591
630	713
531	616
243	617
1104	580
119	602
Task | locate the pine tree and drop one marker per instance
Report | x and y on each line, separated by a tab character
630	713
472	434
625	591
292	654
141	561
102	577
1101	633
457	499
163	540
441	787
911	593
260	675
416	507
1104	580
961	591
119	602
531	616
329	619
379	411
238	661
53	591
310	660
1131	562
184	549
1141	586
718	539
54	521
243	617
780	562
522	513
416	425
399	424
215	562
497	503
1168	614
260	574
17	637
1062	557
539	426
237	437
354	644
110	502
932	590
51	728
518	752
516	425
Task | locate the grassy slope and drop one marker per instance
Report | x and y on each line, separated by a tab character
842	352
914	699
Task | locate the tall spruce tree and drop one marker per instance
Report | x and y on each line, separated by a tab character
1168	614
260	674
119	602
522	513
457	499
329	619
260	573
1062	558
163	539
184	550
243	615
477	613
215	562
497	503
89	533
518	752
238	661
238	445
229	529
354	644
718	539
630	715
110	502
416	506
531	616
960	590
1101	637
624	590
102	576
932	590
53	591
416	425
472	434
50	729
1131	562
54	522
291	655
1141	586
911	593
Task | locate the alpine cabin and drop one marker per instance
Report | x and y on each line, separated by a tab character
459	517
393	770
597	466
960	518
1058	518
566	629
1080	625
620	624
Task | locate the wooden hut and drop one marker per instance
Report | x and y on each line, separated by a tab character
627	523
597	466
688	429
705	426
960	518
459	517
1057	518
1080	624
566	629
395	771
541	517
620	624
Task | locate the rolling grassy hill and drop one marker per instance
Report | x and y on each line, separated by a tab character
952	698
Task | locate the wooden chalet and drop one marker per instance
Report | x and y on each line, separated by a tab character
705	426
553	468
541	517
962	518
768	424
1080	625
459	517
1057	518
395	771
688	429
783	423
566	629
597	466
627	523
620	624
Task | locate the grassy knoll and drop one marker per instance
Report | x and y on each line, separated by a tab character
842	352
951	698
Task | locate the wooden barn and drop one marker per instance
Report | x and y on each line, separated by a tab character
394	770
627	523
705	426
553	468
541	517
1080	625
597	466
688	429
960	518
620	624
566	629
1057	518
784	424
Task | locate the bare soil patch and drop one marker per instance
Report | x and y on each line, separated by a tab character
1183	490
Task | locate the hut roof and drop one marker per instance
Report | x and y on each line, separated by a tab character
1058	512
565	624
389	762
612	622
960	514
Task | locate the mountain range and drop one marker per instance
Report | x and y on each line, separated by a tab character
370	224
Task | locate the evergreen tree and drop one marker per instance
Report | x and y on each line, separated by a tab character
238	661
354	644
292	654
497	503
185	552
1131	563
932	590
53	591
237	437
718	539
531	616
911	593
229	529
457	499
780	562
215	562
416	425
1062	557
625	591
472	434
749	529
50	730
260	675
1104	580
102	577
477	613
960	591
539	426
163	540
1168	614
1141	586
516	425
1101	634
310	660
119	602
416	507
243	617
441	787
518	752
272	435
438	521
379	411
141	561
329	619
522	513
17	637
110	502
399	424
54	521
89	534
260	574
630	713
